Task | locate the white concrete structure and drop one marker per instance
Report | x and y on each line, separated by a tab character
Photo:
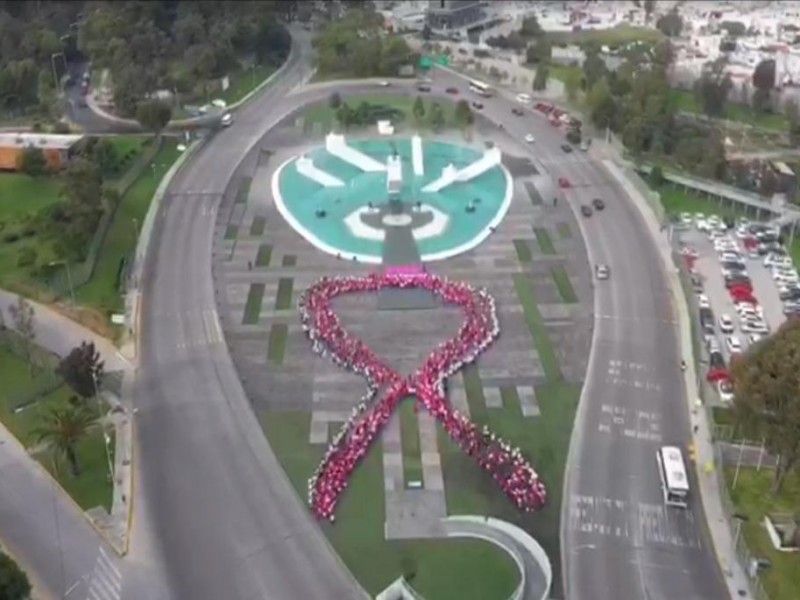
490	159
336	145
306	168
394	174
417	161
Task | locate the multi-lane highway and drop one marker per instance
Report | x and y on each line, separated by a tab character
216	518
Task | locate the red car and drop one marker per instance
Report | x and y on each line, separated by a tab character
563	183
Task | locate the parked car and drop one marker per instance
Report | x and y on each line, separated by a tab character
517	111
725	389
598	204
566	148
452	90
586	210
725	324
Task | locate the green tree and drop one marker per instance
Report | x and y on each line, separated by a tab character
335	101
531	27
418	110
81	369
33	162
539	52
602	106
540	79
793	117
153	115
766	380
14	583
711	89
104	155
572	83
670	24
649	7
463	114
436	115
594	67
62	428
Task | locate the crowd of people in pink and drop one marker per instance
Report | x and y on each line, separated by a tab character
505	464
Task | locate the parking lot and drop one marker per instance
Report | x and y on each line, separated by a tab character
738	298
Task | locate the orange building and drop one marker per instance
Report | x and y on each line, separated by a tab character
56	148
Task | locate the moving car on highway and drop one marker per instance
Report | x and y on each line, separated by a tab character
563	182
586	210
598	204
529	138
602	272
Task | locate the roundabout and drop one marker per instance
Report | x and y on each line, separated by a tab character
343	197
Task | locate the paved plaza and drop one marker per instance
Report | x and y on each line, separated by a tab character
261	265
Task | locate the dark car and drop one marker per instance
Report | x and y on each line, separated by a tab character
477	105
790	294
566	148
598	204
716	360
423	88
697	283
452	90
586	210
517	111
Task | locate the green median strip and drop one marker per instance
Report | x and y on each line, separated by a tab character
244	190
264	255
252	308
523	251
257	226
535	324
564	231
283	299
276	349
410	442
289	260
564	285
544	240
231	231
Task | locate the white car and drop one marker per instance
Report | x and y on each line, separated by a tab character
384	83
523	98
529	138
776	260
785	276
725	390
226	120
725	324
733	344
702	225
742	231
754	338
703	301
686	218
754	326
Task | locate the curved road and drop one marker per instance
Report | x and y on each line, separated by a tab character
215	516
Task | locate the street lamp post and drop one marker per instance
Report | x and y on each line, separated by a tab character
55	73
69	277
106	437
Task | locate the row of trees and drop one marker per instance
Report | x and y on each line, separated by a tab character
178	45
358	46
424	115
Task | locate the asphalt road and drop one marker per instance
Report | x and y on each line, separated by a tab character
214	510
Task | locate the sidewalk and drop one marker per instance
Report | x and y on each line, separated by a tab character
708	473
60	334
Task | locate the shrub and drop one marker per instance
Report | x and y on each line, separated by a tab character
27	257
61	128
10	238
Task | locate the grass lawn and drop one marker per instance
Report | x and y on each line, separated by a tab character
612	37
283	299
244	81
544	240
685	101
445	569
101	291
676	201
564	231
92	487
257	226
725	417
410	442
562	72
243	190
276	348
753	497
564	285
264	255
535	324
322	116
523	251
252	307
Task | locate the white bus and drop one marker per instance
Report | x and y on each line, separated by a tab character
480	88
674	482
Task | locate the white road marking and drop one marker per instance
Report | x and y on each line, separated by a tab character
639	522
106	581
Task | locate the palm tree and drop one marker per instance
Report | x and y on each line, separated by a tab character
62	428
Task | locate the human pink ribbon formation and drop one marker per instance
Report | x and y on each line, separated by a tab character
505	464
